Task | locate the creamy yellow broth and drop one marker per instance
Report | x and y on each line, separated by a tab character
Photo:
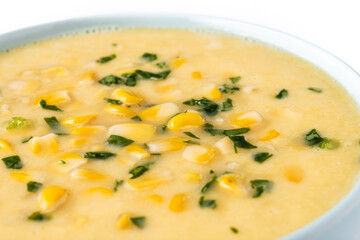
75	196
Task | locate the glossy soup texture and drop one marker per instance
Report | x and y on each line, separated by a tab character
169	134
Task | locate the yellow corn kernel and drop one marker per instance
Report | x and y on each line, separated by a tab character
55	98
85	174
229	182
177	203
248	119
119	111
22	177
77	142
214	93
147	181
192	177
79	121
184	121
88	76
167	145
166	87
69	161
135	151
55	71
225	145
100	190
196	75
178	62
294	174
87	130
159	112
5	147
199	154
44	145
139	132
270	135
156	198
52	197
123	221
126	97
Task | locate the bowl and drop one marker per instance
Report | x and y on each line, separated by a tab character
340	221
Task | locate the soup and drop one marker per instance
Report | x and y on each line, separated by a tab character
169	134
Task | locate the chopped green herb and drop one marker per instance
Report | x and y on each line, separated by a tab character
261	157
118	141
13	162
227	105
110	80
152	76
207	203
328	144
149	57
130	79
282	94
61	134
236	131
207	106
52	122
318	90
163	128
39	217
61	162
114	44
26	140
99	155
226	88
234	230
161	65
140	170
106	59
260	186
33	186
191	135
213	131
155	154
206	187
136	118
192	142
240	142
113	101
138	221
146	146
118	183
313	137
211	171
49	107
17	122
235	79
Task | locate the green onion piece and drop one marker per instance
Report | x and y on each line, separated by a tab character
33	186
13	162
99	155
206	187
52	122
313	137
328	144
282	94
49	107
318	90
207	203
17	122
27	139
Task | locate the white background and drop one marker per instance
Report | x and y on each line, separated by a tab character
331	24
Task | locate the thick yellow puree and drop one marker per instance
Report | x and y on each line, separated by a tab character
168	134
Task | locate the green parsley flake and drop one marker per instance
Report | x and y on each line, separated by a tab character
260	186
209	107
240	142
106	59
313	138
234	230
138	221
318	90
33	186
149	57
13	162
113	101
140	170
44	105
262	157
39	217
191	135
235	79
206	187
27	139
118	183
52	122
136	118
207	203
227	105
99	155
118	141
111	80
282	94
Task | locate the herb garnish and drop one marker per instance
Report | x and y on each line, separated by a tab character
130	79
17	122
113	101
192	142
234	230
163	128
209	107
13	162
138	221
282	94
328	144
207	203
230	132
161	65
313	137
206	187
118	183
26	140
240	142
99	155
140	170
226	88
39	217
152	76
118	141
191	135
260	186
136	118
106	59
110	80
318	90
52	122
261	157
33	186
49	107
235	79
227	105
149	57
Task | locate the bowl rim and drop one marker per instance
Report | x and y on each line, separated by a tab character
45	31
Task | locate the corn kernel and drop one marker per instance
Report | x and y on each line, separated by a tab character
294	174
248	119
177	203
196	75
88	76
22	177
184	121
229	182
126	97
123	221
270	135
139	132
79	121
199	154
156	198
55	71
120	111
77	142
192	177
87	130
55	98
178	62
159	112
135	151
5	147
167	145
147	181
100	190
44	145
52	197
213	93
85	174
225	145
69	161
166	87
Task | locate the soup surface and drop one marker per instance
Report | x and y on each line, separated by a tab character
168	134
